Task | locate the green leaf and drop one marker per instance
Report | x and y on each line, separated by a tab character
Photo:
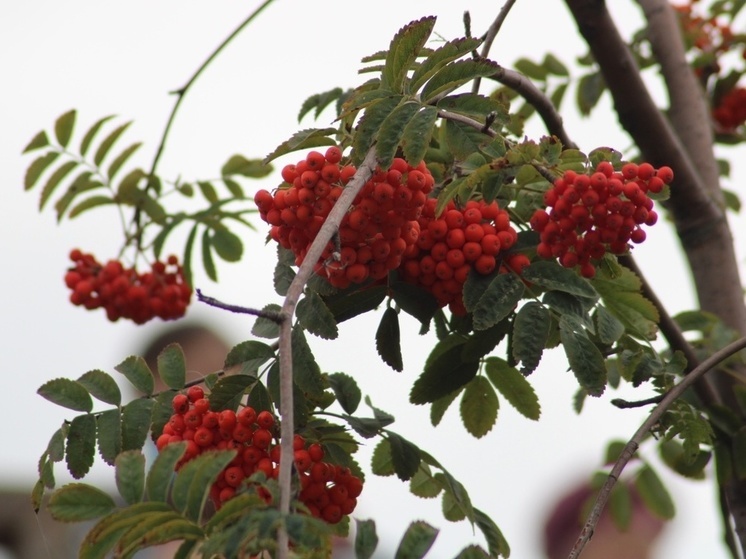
136	418
514	387
306	371
554	66
621	296
229	390
66	393
479	406
388	343
227	244
609	328
417	540
463	140
41	140
454	75
56	446
585	359
308	138
423	483
319	101
496	542
250	355
130	476
403	51
381	463
108	142
63	127
239	165
315	316
54	181
370	124
620	506
452	511
109	434
498	300
366	539
417	134
442	375
77	502
530	334
89	204
350	305
472	552
234	188
208	191
346	390
654	494
157	528
101	386
441	405
161	472
80	449
405	456
91	133
37	167
392	131
551	275
121	159
440	57
414	301
530	69
138	373
208	263
265	327
80	184
172	366
590	89
192	484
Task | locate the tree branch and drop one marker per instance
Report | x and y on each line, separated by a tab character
489	37
631	448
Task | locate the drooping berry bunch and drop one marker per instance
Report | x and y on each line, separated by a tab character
376	231
124	293
706	34
475	236
590	214
730	112
329	491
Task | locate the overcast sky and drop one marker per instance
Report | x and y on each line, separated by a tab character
123	58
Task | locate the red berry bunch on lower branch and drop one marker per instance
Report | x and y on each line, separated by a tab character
124	293
329	491
476	236
590	214
380	226
730	113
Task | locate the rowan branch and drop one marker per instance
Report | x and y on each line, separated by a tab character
295	290
631	447
489	37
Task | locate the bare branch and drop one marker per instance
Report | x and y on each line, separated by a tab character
489	36
273	316
631	448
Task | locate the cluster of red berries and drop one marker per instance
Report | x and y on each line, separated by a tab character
125	293
730	112
703	33
328	491
375	233
590	214
450	245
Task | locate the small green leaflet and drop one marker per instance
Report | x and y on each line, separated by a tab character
308	138
68	393
513	386
479	405
654	494
530	334
417	541
403	51
442	375
551	275
388	342
172	366
130	475
405	456
366	539
315	316
101	386
138	373
77	502
80	449
346	390
585	359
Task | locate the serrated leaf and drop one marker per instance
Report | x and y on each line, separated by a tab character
80	184
63	127
121	159
308	138
479	405
346	390
451	509
381	463
136	370
388	343
108	143
530	69
227	245
441	405
472	552
654	494
56	446
171	365
370	124
77	502
609	328
265	327
366	539
585	359
417	133
496	542
403	51
590	88
497	301
136	418
440	57
462	140
187	258
54	181
454	75
315	317
240	165
530	334
306	372
109	434
229	390
101	386
414	301
392	131
622	298
208	191
554	66
417	541
192	484
41	140
514	387
349	305
620	506
405	456
81	445
318	101
66	393
443	375
37	167
423	484
250	355
551	275
208	263
130	476
89	204
157	529
91	133
161	472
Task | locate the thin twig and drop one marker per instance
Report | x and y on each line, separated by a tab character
269	315
631	448
325	234
489	37
621	403
456	117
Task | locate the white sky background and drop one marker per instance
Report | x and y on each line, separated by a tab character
122	58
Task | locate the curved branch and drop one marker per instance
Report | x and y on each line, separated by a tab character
631	448
489	37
